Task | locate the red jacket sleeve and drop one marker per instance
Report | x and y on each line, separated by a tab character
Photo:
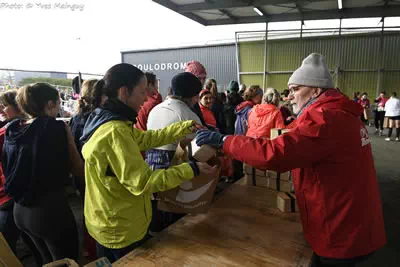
299	148
141	121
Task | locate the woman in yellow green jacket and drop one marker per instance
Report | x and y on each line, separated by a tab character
119	182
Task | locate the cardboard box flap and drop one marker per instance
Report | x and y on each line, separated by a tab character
102	262
7	257
193	196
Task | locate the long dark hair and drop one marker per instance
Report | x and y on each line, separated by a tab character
32	99
117	76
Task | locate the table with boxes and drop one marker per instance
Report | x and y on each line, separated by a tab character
281	182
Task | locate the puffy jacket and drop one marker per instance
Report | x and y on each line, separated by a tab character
242	112
392	107
263	118
119	182
144	112
333	174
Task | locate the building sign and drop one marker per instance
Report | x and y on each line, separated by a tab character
161	66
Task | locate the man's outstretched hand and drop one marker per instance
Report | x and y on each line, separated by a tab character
207	137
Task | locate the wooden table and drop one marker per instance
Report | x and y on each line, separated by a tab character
243	228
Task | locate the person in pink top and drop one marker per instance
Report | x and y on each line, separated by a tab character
380	112
364	102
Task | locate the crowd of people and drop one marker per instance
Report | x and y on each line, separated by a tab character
119	145
385	111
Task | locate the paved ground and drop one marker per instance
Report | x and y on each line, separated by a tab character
387	163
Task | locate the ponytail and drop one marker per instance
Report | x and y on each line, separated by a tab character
91	91
271	96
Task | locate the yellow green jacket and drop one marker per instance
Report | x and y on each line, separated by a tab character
119	182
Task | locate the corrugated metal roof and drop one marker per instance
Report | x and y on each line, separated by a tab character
209	12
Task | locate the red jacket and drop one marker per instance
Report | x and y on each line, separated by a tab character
333	174
141	120
208	116
4	198
263	118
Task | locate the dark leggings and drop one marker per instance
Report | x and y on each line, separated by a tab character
379	119
11	233
51	226
8	228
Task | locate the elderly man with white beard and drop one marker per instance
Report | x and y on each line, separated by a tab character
329	153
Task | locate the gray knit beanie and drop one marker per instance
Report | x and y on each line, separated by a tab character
313	72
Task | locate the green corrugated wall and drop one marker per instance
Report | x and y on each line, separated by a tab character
350	52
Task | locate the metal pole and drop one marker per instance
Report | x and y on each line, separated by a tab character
237	57
380	69
80	81
301	42
339	54
265	56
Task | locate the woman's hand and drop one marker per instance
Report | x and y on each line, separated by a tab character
196	126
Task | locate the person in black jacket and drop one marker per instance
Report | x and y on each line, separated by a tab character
38	155
89	101
91	98
233	99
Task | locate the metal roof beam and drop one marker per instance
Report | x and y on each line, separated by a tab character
231	4
227	13
174	7
365	12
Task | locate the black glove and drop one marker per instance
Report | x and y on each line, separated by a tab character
207	137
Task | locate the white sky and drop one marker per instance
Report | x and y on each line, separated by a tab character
91	40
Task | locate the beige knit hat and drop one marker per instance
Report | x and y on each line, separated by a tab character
313	72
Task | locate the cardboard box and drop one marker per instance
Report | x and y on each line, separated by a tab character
260	180
277	132
103	262
286	202
201	153
283	202
285	186
7	256
193	196
286	176
249	170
